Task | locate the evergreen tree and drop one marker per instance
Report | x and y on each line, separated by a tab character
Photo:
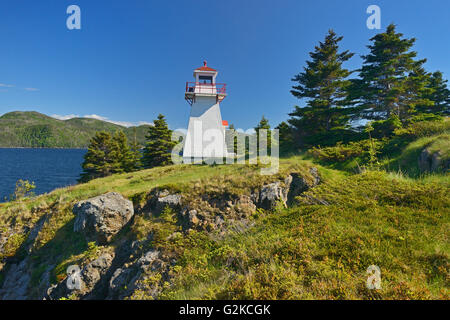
157	151
136	154
126	155
323	83
438	93
286	138
231	134
102	158
391	81
264	124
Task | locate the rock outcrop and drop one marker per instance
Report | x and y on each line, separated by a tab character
92	279
159	200
93	272
212	213
127	279
285	193
100	218
17	280
431	162
137	268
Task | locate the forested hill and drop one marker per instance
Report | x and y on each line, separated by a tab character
33	129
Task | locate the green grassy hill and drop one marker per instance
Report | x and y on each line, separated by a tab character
319	247
33	129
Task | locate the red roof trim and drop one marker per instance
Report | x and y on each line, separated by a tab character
205	68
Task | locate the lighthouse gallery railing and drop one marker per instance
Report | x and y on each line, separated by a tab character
199	87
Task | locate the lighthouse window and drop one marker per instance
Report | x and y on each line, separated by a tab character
205	79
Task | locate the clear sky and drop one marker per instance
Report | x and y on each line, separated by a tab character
131	59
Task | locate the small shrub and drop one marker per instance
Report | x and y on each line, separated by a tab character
423	129
385	128
345	152
23	189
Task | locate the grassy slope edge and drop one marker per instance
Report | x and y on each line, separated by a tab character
310	250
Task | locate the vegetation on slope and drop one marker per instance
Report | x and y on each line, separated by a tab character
321	246
318	248
36	130
399	152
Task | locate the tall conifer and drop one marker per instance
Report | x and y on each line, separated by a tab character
323	84
439	94
392	82
157	151
102	158
264	124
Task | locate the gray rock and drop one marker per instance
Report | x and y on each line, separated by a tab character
276	192
218	221
193	219
159	200
436	161
125	280
120	282
93	278
296	184
315	173
35	232
431	162
172	201
424	160
44	282
245	206
100	218
148	258
17	280
270	195
92	272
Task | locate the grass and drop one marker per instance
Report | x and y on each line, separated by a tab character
407	159
323	251
308	251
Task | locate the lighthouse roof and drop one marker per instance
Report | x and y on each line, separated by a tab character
205	68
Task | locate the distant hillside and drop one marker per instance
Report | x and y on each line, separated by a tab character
36	130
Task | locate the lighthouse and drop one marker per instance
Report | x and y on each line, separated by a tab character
205	138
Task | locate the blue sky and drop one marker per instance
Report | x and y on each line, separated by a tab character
131	59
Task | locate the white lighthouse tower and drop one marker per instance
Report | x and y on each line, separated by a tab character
205	138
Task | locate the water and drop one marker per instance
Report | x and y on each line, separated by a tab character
48	168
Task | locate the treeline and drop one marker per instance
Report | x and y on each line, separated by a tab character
31	129
113	153
365	112
390	91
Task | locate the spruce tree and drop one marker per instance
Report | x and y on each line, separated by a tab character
136	154
391	81
102	158
157	151
438	93
286	138
264	124
231	134
126	155
323	83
